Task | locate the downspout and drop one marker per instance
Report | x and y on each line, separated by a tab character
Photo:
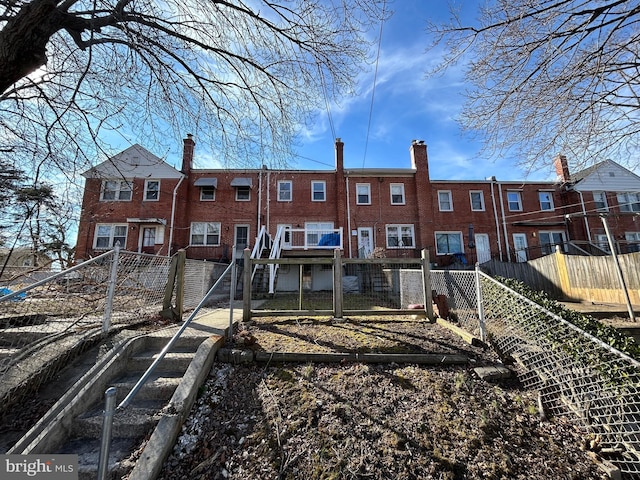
267	219
259	200
504	223
348	235
495	216
584	213
173	212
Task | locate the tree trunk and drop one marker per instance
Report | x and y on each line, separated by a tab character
24	38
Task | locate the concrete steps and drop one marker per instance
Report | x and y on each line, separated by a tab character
75	423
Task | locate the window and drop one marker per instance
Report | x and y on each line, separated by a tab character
363	194
318	191
633	239
115	190
444	201
603	242
546	200
243	194
549	240
600	201
152	190
205	233
515	201
448	243
107	235
629	202
207	193
315	231
397	194
400	236
477	201
284	190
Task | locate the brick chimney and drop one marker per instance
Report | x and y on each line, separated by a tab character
419	160
562	168
187	154
339	155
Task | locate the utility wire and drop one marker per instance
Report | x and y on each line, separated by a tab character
375	80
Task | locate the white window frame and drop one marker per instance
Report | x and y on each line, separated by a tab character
367	187
399	193
629	202
151	192
442	207
118	191
246	189
402	231
517	201
285	190
448	233
207	189
548	201
207	229
113	235
481	196
322	190
315	230
600	198
602	241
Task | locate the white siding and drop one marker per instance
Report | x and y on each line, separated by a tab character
610	177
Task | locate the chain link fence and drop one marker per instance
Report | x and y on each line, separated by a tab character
199	277
43	325
577	375
316	286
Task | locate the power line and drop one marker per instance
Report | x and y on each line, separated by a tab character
375	80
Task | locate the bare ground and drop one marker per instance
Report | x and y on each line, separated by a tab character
364	421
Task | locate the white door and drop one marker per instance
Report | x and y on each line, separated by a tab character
285	239
483	250
365	242
241	239
520	246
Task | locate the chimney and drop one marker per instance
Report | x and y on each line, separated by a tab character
187	154
339	155
419	160
562	168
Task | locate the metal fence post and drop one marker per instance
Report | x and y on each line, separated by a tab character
111	288
338	291
107	425
479	302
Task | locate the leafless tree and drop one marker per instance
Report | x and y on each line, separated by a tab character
242	75
551	76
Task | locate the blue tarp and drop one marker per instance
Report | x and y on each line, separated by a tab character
329	240
5	291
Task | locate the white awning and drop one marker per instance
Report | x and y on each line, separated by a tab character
242	182
206	182
161	221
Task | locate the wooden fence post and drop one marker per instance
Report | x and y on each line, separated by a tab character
246	286
426	284
180	269
337	284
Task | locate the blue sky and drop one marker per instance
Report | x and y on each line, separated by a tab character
407	105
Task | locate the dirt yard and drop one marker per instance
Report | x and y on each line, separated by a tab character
370	421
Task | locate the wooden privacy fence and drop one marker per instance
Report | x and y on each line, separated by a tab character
576	277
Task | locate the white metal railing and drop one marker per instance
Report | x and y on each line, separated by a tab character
276	250
262	243
313	238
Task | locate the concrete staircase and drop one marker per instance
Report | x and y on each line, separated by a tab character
74	424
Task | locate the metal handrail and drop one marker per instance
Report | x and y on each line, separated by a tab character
147	374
